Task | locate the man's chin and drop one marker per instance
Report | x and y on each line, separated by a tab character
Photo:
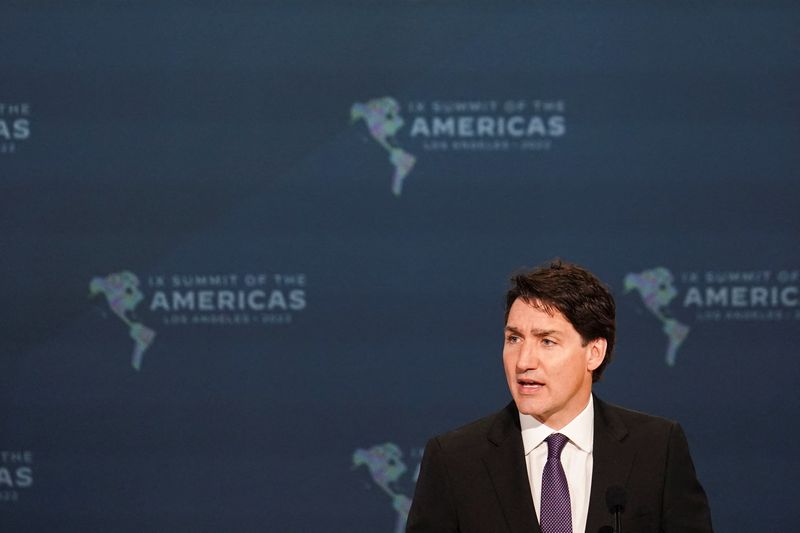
527	406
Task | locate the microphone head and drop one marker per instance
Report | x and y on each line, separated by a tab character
616	499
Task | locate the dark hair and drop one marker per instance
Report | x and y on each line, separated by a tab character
574	292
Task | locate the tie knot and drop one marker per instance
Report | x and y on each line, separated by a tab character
555	443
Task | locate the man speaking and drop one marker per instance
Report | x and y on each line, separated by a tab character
557	459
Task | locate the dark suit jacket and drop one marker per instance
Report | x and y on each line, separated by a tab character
474	479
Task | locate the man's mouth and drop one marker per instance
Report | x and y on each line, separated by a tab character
529	384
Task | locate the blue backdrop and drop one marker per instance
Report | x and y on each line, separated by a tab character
254	254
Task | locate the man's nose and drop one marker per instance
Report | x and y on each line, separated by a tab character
528	357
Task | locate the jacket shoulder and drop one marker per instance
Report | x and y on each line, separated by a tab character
637	417
622	421
477	434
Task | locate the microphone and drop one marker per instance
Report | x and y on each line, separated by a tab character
615	501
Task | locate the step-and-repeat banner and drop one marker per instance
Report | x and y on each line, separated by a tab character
254	254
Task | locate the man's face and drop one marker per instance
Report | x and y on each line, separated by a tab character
549	371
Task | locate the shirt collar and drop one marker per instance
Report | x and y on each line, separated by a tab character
580	430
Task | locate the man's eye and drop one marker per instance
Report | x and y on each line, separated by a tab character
513	339
548	342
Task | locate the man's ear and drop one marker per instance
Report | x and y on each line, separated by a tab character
597	353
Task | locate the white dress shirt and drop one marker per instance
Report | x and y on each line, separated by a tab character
576	458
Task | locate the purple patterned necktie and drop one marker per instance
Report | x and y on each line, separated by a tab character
556	511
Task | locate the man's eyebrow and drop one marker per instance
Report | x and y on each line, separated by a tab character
535	332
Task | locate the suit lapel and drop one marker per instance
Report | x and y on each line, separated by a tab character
612	458
506	465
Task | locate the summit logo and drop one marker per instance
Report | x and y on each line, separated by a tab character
388	472
199	300
718	295
15	126
476	126
122	294
382	117
16	474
